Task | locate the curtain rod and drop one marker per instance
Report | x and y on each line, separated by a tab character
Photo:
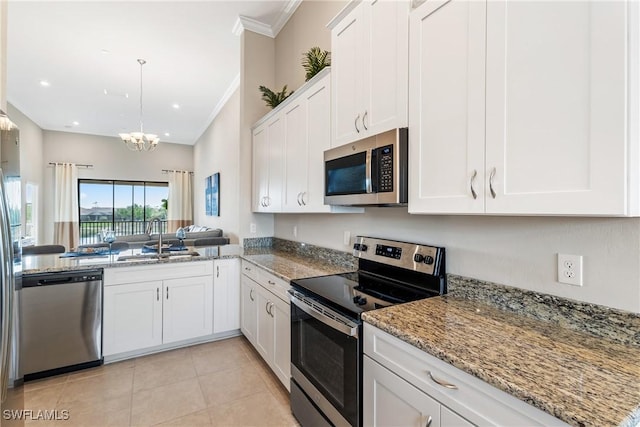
172	170
80	165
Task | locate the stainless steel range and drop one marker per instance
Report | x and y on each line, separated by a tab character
326	328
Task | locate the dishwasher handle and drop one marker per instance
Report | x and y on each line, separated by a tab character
31	281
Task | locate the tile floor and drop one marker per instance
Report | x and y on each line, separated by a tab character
224	383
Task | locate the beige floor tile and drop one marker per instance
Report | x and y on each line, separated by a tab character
196	419
162	372
45	398
178	354
226	386
214	358
260	409
45	382
165	403
111	412
95	390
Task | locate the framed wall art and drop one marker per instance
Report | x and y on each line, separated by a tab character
212	195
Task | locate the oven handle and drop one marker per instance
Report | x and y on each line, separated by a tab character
334	324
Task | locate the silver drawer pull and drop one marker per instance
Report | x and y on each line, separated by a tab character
247	268
429	421
443	383
271	283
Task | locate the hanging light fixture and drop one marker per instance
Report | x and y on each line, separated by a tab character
140	141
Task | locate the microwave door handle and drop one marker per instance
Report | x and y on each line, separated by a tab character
368	171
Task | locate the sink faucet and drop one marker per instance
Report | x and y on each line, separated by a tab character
150	227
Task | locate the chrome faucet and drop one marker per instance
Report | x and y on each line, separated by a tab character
149	229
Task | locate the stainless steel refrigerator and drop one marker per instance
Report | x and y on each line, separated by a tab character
11	389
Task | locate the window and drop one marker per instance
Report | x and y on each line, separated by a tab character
123	206
30	212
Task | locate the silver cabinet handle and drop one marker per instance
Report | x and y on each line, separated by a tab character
266	307
267	201
429	421
247	268
302	198
157	294
167	292
443	383
299	203
493	192
271	308
355	123
270	282
217	271
366	113
473	178
251	295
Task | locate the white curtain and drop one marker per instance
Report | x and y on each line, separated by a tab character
180	202
65	206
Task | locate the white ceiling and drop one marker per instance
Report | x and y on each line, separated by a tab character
192	54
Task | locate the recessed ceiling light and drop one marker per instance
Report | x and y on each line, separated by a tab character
176	106
105	51
44	83
167	134
75	123
106	92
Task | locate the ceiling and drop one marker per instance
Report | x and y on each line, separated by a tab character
85	49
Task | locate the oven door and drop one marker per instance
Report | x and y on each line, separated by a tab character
325	359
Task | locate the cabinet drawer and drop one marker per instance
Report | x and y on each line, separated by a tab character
274	284
474	399
250	270
144	273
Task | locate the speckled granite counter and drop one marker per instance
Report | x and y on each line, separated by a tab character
51	263
289	267
579	378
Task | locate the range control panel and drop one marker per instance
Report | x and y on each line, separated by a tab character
412	256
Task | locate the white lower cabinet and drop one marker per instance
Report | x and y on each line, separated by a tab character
265	318
226	295
151	305
403	385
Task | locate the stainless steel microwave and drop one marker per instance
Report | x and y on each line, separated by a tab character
368	172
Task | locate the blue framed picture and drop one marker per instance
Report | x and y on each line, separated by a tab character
212	195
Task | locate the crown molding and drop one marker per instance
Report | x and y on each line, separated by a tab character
235	84
246	23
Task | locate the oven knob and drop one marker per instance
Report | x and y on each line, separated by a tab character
359	300
360	247
428	260
418	258
363	247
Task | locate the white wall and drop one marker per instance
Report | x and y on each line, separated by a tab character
110	158
218	150
515	251
31	163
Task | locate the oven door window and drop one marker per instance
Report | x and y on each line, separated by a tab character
346	175
328	359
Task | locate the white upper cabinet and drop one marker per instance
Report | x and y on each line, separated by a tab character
539	120
268	143
369	61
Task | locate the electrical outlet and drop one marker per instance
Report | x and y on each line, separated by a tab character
347	238
252	228
295	231
570	269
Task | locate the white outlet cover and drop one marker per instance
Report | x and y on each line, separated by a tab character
570	269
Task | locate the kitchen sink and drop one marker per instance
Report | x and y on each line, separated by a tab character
152	257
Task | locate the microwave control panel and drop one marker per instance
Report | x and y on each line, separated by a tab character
385	169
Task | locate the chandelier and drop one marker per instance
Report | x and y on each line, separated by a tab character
140	141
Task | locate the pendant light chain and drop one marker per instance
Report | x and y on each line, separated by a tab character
141	62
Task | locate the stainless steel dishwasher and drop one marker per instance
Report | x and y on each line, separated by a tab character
61	325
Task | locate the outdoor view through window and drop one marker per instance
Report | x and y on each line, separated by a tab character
123	206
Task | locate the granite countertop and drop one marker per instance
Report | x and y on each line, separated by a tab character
32	264
577	377
289	266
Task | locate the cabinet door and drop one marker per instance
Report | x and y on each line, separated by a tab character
347	79
226	295
132	317
451	419
249	309
264	334
188	308
282	340
275	158
318	139
556	107
384	69
388	400
295	153
260	168
446	107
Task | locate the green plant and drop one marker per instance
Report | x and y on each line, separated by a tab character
315	60
274	98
